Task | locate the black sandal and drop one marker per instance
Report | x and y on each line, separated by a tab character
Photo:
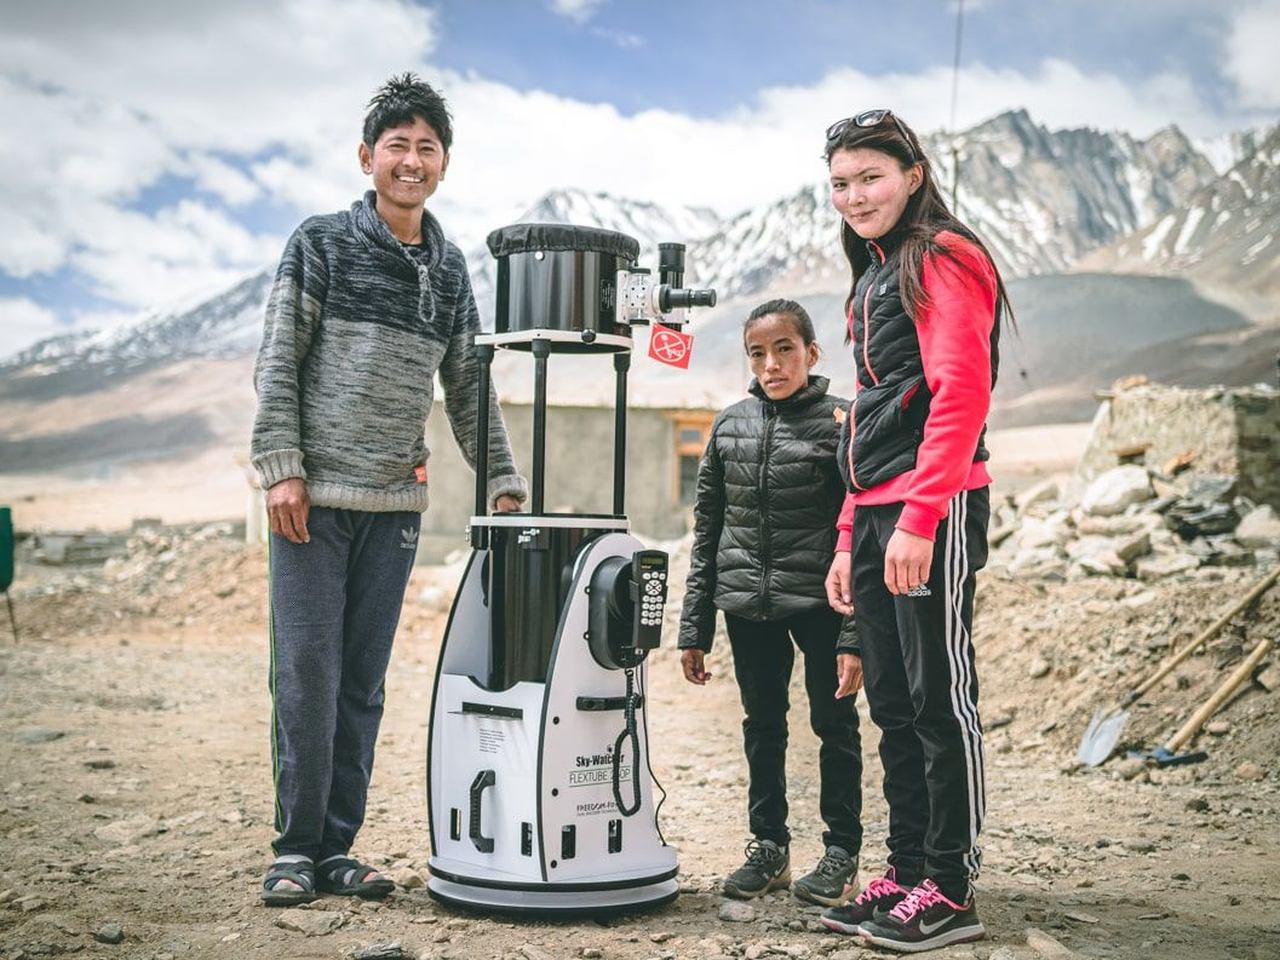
348	877
301	872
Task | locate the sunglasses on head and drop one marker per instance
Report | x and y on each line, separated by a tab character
869	118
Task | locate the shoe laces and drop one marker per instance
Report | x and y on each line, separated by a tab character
921	897
759	855
833	863
877	888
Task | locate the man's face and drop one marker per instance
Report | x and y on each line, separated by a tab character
407	163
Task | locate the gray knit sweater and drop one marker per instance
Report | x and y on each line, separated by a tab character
357	327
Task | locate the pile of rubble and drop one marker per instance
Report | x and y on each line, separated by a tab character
182	575
1132	522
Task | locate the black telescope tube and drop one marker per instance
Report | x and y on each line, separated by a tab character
485	354
621	363
671	263
541	350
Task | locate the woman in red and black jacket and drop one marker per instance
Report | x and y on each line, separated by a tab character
923	323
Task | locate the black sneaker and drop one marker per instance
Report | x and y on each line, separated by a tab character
832	880
924	920
768	867
874	903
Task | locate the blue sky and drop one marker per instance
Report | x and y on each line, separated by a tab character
156	152
704	58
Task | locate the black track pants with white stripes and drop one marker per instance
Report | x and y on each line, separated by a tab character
922	690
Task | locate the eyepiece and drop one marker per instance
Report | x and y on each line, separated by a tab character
669	299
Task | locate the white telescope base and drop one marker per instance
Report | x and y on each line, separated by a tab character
524	812
547	900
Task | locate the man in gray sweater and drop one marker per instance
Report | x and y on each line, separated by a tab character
368	305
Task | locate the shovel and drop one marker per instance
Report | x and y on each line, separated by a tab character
1166	755
1103	732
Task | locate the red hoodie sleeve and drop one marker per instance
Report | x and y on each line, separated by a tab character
955	348
844	525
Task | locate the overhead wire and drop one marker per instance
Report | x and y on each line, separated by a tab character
955	145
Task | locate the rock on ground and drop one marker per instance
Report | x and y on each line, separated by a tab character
1046	946
735	911
1114	491
1259	527
311	923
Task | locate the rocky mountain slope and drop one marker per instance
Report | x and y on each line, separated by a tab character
1040	198
1225	233
1044	200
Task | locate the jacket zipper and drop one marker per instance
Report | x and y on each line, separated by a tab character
853	432
866	362
770	417
866	318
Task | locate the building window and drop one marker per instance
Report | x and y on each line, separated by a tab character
691	431
688	479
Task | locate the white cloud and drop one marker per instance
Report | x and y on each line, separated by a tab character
621	39
320	181
513	144
233	76
251	100
142	260
101	101
24	322
28	246
223	180
579	11
1251	59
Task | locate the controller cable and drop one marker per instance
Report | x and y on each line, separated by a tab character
629	732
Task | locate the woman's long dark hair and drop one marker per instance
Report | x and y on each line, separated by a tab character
926	215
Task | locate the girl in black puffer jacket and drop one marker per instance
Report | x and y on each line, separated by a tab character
769	494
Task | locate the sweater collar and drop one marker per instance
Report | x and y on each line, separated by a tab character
374	232
815	389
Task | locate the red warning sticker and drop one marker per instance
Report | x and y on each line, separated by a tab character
670	346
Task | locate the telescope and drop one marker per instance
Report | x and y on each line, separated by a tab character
539	788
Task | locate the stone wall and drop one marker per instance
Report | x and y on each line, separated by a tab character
1230	432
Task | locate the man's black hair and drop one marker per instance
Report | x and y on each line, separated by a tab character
400	101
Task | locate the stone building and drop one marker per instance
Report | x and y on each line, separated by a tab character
664	446
1174	430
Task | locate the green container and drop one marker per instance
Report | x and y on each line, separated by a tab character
6	548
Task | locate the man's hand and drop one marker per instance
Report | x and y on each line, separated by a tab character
849	671
907	560
507	504
288	507
693	662
840	583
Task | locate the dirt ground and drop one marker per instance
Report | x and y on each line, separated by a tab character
136	788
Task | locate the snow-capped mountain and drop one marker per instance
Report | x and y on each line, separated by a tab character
649	223
1041	200
1225	233
230	323
1225	151
226	325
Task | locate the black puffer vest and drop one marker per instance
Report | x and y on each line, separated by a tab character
768	498
886	420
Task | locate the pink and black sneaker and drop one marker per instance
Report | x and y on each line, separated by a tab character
924	920
874	903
